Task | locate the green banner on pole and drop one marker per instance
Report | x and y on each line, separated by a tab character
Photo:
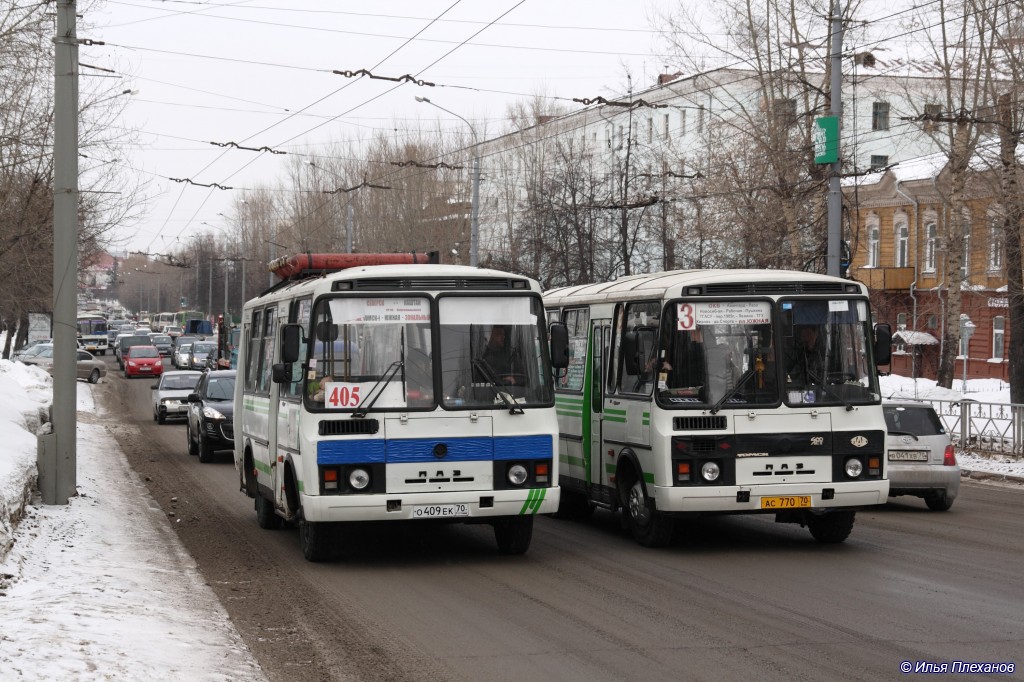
826	139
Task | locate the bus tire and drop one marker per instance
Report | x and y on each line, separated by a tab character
314	539
832	527
265	515
514	534
648	527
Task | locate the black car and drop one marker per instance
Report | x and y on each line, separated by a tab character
210	424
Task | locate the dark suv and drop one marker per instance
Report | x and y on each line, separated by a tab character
211	415
127	342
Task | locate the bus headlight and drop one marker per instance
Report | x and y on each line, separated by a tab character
359	479
710	471
854	467
517	474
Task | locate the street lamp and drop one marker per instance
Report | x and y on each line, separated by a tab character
474	223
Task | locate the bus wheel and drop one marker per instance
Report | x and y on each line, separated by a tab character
314	539
831	527
649	528
265	516
514	534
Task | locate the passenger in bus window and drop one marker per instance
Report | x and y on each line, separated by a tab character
498	355
316	388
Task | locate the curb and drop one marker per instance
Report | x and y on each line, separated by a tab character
975	475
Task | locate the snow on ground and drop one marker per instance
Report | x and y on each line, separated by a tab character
101	588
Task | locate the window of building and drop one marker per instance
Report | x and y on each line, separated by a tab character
700	119
933	322
608	137
665	135
650	130
879	161
932	112
619	145
929	247
682	122
998	336
901	321
902	245
873	246
880	116
965	269
995	244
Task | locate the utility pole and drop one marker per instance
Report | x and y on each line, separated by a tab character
348	228
57	454
835	196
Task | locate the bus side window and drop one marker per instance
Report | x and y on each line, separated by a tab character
252	350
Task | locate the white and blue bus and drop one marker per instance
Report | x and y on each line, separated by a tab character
92	332
702	392
374	393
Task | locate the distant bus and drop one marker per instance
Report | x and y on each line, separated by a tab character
162	321
92	333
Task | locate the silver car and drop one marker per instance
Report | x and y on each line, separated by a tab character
171	393
921	461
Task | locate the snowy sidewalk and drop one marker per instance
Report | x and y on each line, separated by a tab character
101	589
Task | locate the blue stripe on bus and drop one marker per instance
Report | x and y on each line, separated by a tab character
413	450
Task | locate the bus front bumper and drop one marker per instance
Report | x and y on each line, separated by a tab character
451	506
769	498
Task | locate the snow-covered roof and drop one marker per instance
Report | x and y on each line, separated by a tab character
912	338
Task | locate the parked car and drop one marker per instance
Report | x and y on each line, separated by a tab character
142	361
182	355
126	342
170	394
87	367
921	461
163	343
200	351
211	414
31	349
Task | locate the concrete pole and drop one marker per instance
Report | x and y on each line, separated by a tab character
474	221
57	451
209	292
835	194
270	243
348	228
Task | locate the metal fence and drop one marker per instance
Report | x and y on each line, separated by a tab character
983	428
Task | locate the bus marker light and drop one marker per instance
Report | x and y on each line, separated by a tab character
874	466
540	472
683	471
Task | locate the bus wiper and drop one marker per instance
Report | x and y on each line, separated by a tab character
817	380
388	375
511	403
732	391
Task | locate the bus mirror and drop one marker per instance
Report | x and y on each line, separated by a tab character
630	352
559	339
281	373
291	340
883	344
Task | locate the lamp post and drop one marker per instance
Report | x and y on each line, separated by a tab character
966	332
474	224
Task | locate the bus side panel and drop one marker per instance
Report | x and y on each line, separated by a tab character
255	432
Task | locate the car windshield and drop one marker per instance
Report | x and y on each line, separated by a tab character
220	388
143	352
184	347
162	339
202	348
172	382
917	421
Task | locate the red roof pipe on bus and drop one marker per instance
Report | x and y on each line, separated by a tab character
308	263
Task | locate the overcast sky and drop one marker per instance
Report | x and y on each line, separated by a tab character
257	73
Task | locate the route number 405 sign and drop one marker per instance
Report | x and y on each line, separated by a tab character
350	395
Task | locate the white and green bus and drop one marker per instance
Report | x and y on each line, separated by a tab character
700	392
373	393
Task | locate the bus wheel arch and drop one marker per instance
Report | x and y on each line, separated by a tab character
648	526
249	479
291	491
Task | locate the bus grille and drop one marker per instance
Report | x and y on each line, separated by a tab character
699	423
348	427
430	283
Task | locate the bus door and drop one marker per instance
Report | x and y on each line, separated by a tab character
597	458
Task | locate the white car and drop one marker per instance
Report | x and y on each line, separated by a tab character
920	453
171	393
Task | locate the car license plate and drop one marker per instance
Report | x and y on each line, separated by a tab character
439	511
786	502
145	368
908	456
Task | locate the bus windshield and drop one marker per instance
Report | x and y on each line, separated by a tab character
494	352
740	353
92	325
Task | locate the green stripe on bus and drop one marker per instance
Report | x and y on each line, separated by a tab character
260	466
533	501
617	420
648	478
567	413
609	410
571	401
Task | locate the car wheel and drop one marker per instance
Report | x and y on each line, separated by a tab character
160	419
938	501
205	450
94	376
649	527
192	449
514	534
831	527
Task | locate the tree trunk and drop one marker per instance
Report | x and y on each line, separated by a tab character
1009	138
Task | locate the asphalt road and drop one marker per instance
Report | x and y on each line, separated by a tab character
733	598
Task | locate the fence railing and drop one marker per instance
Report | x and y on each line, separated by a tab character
983	428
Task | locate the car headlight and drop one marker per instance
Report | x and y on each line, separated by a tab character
359	479
854	467
211	413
